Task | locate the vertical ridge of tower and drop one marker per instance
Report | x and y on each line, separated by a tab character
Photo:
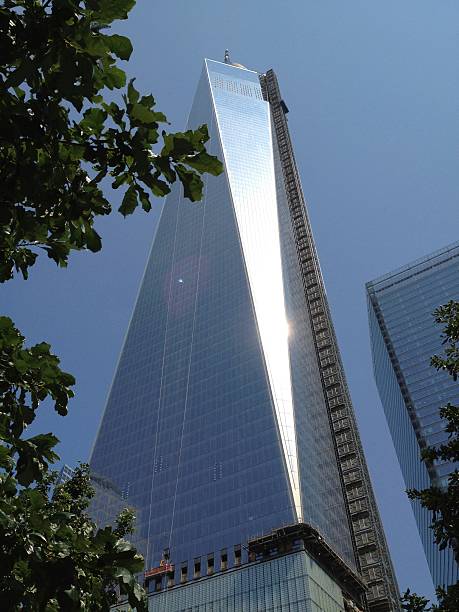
368	536
259	235
229	400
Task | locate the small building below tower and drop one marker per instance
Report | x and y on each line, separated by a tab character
290	569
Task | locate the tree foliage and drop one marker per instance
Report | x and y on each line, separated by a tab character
60	137
28	376
443	501
65	132
448	601
448	315
52	556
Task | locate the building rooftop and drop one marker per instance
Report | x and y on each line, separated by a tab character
415	267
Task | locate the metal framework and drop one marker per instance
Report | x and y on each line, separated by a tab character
369	541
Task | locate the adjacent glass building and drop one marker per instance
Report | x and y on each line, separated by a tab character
229	413
404	336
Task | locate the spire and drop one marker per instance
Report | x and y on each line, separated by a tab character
228	61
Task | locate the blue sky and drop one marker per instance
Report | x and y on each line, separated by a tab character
372	90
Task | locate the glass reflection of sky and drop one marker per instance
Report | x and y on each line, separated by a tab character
406	299
244	123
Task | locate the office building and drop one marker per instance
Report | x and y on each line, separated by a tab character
229	414
404	336
65	474
287	570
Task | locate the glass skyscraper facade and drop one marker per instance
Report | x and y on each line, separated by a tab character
229	413
272	581
292	583
404	336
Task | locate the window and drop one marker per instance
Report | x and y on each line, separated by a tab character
364	538
358	505
377	590
345	449
349	463
341	424
372	573
224	559
210	564
346	436
170	579
237	555
352	476
361	523
368	558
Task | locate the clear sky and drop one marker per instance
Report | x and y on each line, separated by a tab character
372	89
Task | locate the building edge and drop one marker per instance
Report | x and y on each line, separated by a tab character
372	553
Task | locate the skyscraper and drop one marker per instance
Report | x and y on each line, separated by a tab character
229	413
404	336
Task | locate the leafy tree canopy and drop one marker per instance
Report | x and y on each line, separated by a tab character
443	501
52	556
60	137
448	601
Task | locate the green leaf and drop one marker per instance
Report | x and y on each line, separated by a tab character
95	44
109	10
119	45
74	595
159	188
115	111
122	546
203	162
185	143
133	94
120	180
93	241
94	119
38	536
192	183
129	202
124	575
76	152
144	115
19	92
147	101
6	461
200	136
33	457
114	77
164	166
144	199
44	443
139	596
177	146
36	499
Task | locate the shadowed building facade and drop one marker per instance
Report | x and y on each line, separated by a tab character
404	336
229	413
